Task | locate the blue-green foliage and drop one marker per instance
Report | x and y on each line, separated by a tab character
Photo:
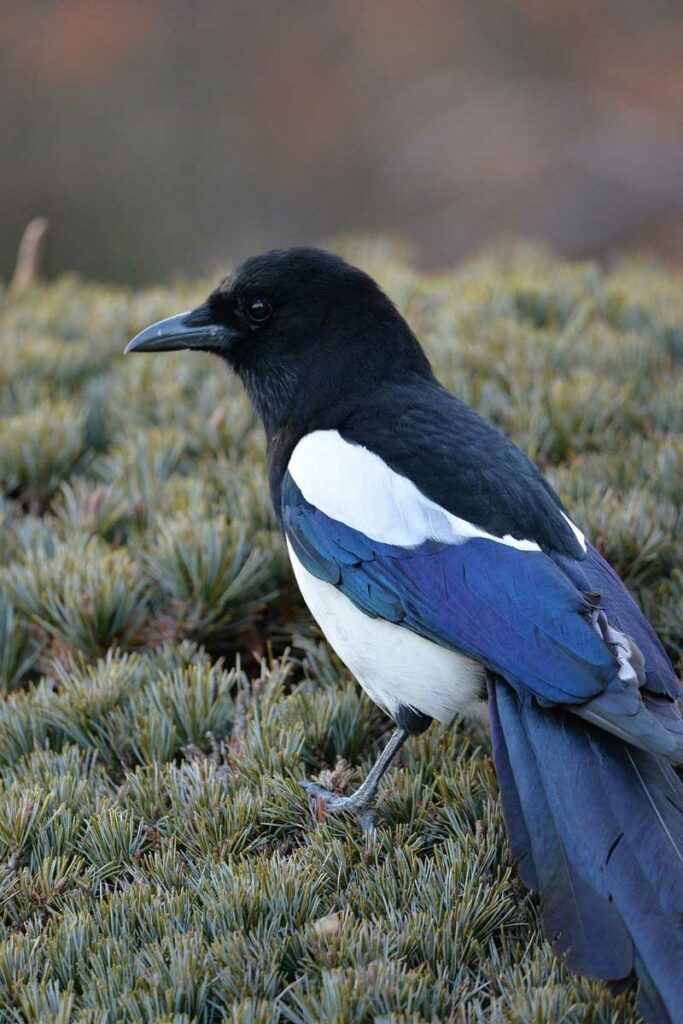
163	688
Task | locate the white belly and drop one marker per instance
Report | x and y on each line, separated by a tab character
393	665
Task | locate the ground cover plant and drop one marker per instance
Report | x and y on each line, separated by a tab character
163	687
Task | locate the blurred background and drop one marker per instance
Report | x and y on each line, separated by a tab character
164	136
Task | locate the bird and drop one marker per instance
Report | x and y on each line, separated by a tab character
448	576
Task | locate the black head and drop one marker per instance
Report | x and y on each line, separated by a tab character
308	334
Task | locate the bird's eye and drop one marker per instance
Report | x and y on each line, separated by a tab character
257	310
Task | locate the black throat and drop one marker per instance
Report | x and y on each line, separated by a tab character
281	444
296	394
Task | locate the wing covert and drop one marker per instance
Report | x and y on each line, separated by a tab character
513	610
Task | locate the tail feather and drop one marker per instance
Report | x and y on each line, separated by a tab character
639	789
580	921
515	821
600	825
650	1002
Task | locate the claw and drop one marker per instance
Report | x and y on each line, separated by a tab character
361	803
323	801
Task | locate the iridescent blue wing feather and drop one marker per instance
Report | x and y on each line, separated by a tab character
516	611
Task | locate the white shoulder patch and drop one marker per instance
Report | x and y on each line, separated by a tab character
577	533
351	484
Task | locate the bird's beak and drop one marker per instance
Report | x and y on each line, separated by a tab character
177	332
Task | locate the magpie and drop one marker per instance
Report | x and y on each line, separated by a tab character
449	578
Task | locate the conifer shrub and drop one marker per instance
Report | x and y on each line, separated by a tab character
162	688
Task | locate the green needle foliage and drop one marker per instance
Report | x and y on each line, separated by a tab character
212	578
17	655
39	449
81	593
163	689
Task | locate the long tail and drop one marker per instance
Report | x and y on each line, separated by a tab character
597	829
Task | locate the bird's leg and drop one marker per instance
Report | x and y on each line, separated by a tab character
362	802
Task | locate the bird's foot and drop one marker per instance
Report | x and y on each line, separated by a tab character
323	801
361	803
